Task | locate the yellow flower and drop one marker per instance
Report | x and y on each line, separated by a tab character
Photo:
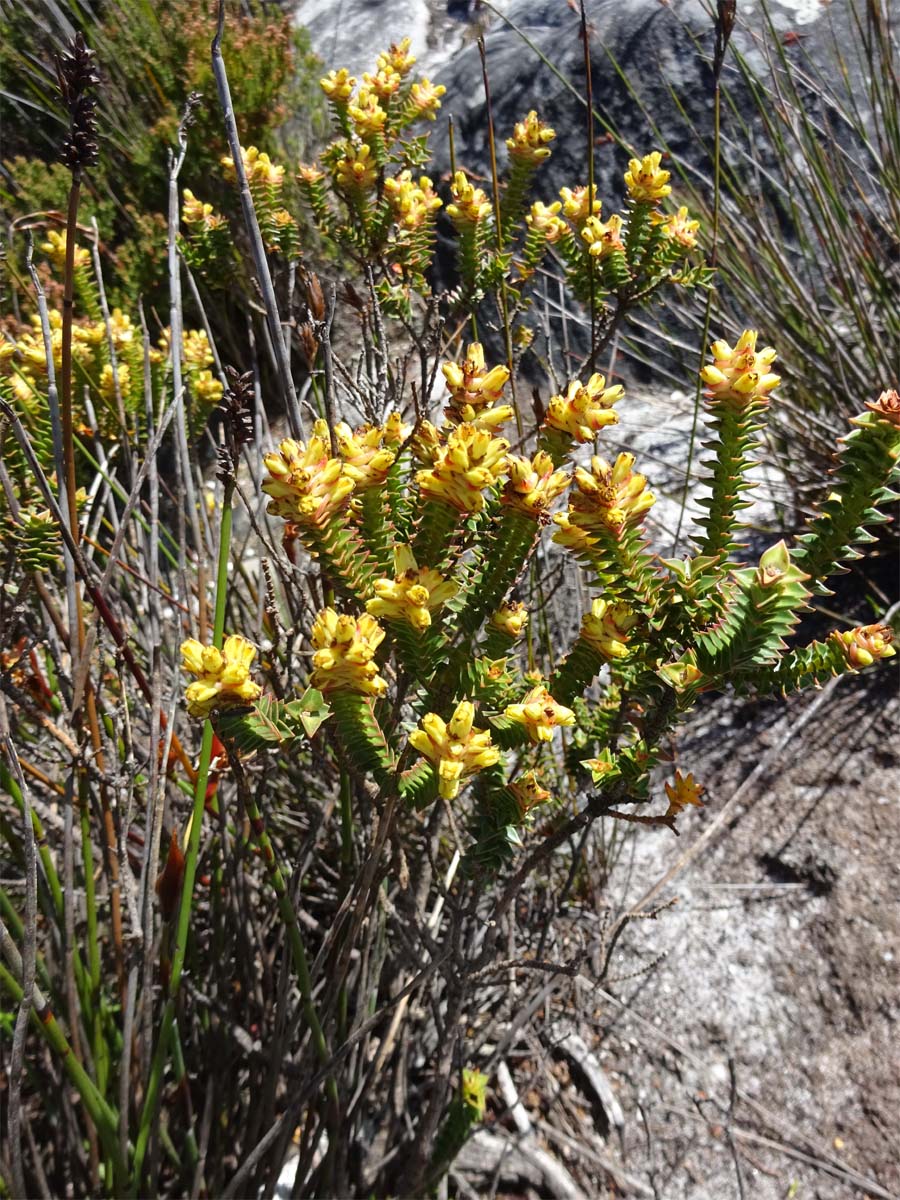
473	390
540	714
455	748
605	628
344	655
529	141
739	375
122	329
223	676
357	170
397	57
338	85
543	219
258	167
471	461
470	204
108	381
533	485
309	173
396	431
386	82
603	237
194	211
609	498
55	249
412	203
585	408
678	227
366	113
474	1084
645	180
307	486
510	619
366	461
426	97
528	793
576	206
414	593
865	644
682	791
206	387
428	443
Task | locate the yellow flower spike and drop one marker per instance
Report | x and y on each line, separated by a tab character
585	409
344	655
385	83
533	485
427	443
739	375
366	113
55	249
576	206
510	619
540	714
646	181
204	385
194	211
529	141
606	627
456	749
528	793
474	390
397	57
413	594
357	170
121	328
865	644
412	203
426	97
257	165
307	486
682	791
108	381
471	461
338	85
603	237
366	461
609	498
470	204
678	227
543	219
223	676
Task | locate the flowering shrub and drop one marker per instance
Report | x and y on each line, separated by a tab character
415	743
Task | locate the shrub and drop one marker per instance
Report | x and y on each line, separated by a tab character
313	925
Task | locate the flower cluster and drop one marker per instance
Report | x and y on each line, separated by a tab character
474	391
545	220
533	485
470	204
865	644
529	143
608	499
739	376
576	205
471	461
603	238
606	627
540	714
647	183
223	676
584	409
510	619
55	249
306	484
413	594
413	204
366	461
528	793
344	655
455	748
258	166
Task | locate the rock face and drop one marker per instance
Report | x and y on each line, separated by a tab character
349	33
